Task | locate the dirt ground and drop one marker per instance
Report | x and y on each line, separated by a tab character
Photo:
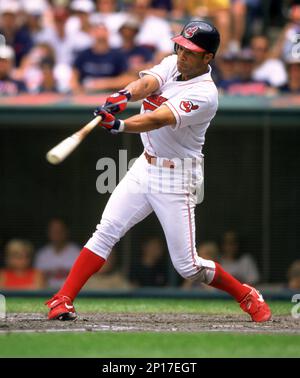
135	322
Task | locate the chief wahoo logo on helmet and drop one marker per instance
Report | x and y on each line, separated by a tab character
189	32
199	36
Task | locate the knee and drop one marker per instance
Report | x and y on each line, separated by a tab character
202	270
200	275
183	273
186	271
110	230
107	234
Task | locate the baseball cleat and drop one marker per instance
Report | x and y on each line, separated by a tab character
255	306
61	308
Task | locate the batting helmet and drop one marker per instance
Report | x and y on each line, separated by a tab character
199	36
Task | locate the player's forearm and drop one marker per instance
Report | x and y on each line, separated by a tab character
142	88
144	122
160	117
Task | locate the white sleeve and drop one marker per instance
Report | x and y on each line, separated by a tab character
190	110
163	70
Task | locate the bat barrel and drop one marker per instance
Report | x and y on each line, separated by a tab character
58	153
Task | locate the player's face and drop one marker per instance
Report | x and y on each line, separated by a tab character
191	63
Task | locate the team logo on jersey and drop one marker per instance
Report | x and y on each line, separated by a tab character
153	102
188	106
189	32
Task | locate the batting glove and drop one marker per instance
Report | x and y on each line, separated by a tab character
109	121
117	102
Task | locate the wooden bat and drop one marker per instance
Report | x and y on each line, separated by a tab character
58	153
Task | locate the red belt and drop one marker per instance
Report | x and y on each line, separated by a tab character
159	162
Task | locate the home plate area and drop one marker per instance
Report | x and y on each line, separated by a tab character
147	322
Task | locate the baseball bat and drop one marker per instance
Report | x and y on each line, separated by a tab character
59	152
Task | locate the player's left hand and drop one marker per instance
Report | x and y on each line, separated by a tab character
109	121
117	102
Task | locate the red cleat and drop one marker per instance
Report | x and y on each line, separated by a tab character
255	306
61	308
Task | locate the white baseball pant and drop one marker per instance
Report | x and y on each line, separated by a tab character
134	199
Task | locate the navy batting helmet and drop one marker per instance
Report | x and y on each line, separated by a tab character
199	36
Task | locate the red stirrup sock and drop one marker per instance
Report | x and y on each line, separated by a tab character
224	281
86	264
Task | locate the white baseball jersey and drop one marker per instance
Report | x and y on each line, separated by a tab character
194	104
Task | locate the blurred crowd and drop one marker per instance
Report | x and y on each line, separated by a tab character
83	46
24	268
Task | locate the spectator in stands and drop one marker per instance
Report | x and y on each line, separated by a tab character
16	36
294	275
57	38
56	258
266	69
18	273
246	85
8	85
78	26
256	16
242	266
151	269
238	12
227	72
210	251
163	5
100	67
179	12
155	32
287	43
109	277
293	69
65	45
113	18
48	82
31	68
162	8
34	11
137	56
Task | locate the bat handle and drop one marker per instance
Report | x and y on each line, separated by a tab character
84	131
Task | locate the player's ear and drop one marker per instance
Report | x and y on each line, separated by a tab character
208	57
175	48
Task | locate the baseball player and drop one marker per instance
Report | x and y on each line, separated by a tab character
179	101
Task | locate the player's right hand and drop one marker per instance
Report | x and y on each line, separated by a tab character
109	121
117	102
